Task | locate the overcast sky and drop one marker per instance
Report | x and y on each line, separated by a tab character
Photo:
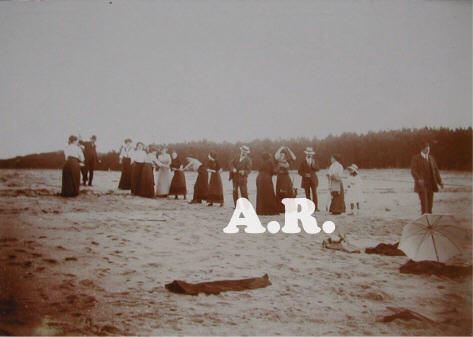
168	71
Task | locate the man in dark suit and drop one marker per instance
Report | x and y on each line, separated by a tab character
240	168
90	154
308	171
426	178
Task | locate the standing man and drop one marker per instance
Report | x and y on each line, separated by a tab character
90	154
426	177
240	168
308	171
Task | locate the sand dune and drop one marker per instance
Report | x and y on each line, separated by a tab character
98	263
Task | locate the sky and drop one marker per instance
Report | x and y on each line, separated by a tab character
172	71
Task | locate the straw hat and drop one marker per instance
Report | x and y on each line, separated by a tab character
309	150
353	167
244	149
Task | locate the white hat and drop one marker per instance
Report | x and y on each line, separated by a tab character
245	149
353	167
309	150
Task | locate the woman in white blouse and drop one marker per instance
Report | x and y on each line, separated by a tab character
137	162
335	176
126	152
71	169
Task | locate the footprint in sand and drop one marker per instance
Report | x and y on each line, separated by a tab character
51	261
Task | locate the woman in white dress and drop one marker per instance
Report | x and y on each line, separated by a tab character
164	173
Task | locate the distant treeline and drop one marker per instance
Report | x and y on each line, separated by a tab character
384	149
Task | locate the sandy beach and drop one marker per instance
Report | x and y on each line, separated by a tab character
97	264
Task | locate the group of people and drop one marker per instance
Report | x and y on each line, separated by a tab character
140	164
269	201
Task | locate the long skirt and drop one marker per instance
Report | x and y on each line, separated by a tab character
337	206
215	188
201	187
125	178
178	184
164	182
284	189
136	170
266	201
70	178
146	188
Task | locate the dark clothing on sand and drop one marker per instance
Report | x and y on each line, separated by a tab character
240	177
178	182
215	194
309	181
91	158
136	171
284	186
70	178
337	206
266	201
146	186
426	180
201	186
125	178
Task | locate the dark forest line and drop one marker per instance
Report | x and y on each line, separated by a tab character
452	148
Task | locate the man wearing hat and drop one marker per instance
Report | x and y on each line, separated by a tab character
240	168
426	177
308	171
91	158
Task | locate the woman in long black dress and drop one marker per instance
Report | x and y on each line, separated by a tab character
146	187
201	186
138	161
266	201
178	182
215	194
284	186
71	169
125	159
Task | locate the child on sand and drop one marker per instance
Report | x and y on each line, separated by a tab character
354	192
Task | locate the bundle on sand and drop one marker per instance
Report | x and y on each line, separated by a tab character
435	268
385	249
216	287
404	314
340	245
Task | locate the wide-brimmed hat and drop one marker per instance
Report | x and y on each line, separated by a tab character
245	149
309	150
353	167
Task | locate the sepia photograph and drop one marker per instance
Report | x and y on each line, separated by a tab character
236	168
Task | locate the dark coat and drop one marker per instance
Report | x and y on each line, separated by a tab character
244	165
90	153
312	170
425	173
